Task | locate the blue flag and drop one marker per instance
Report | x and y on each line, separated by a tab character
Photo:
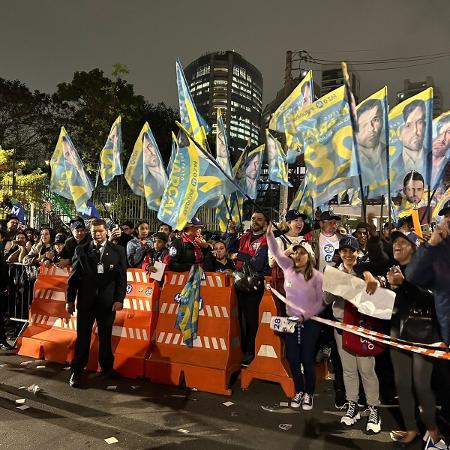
190	118
441	148
173	153
327	135
111	155
194	180
276	160
68	178
410	138
248	170
303	201
145	172
16	209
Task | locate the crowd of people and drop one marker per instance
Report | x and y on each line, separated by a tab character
295	254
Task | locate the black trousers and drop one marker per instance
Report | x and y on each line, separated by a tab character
85	321
301	349
249	318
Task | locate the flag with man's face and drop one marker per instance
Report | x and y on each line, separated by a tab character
145	172
111	154
410	138
440	153
248	170
190	118
286	119
326	131
193	181
276	160
68	177
372	140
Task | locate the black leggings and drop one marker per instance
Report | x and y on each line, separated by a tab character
413	375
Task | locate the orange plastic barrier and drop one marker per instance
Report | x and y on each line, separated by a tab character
269	363
216	352
51	333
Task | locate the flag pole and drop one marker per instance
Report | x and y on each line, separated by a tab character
352	107
217	165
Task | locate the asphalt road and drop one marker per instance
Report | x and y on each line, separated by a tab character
141	415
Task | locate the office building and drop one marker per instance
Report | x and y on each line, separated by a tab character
411	88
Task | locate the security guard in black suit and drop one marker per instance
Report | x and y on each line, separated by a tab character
99	282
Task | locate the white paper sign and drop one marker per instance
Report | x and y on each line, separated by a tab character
353	289
159	266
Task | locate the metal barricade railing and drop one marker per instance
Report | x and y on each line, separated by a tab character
20	292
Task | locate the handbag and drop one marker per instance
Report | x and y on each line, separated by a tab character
282	324
418	325
359	345
247	280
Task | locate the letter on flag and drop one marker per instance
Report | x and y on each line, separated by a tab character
194	180
440	153
145	172
277	162
68	177
286	118
326	131
190	118
111	155
410	137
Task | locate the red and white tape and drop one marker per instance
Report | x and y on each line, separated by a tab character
416	347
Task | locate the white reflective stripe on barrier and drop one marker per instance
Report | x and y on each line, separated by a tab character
207	342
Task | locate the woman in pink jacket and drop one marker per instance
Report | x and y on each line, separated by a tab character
303	286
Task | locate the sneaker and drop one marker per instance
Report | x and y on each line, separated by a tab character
307	403
441	444
352	415
297	400
341	406
373	421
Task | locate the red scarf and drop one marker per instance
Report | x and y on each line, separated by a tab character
198	251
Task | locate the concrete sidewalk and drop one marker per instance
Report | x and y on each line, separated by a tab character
141	415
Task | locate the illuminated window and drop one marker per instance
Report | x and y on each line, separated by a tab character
203	70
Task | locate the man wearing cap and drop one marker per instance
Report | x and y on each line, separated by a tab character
326	240
361	233
98	283
190	248
12	226
79	237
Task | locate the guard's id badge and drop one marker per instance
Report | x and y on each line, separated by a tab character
100	268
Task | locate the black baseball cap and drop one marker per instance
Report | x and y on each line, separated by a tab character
411	237
293	214
195	222
348	242
161	235
60	238
78	222
329	215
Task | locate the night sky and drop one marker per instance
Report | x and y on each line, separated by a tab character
42	42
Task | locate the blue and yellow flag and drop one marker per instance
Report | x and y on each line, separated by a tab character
111	155
303	200
235	203
277	161
440	204
188	312
68	177
286	118
222	156
326	131
193	181
248	170
410	138
190	118
440	153
173	153
372	142
145	172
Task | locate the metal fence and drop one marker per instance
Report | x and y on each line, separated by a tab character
116	200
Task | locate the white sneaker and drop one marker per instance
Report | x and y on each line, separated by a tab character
441	445
307	403
297	400
352	415
373	421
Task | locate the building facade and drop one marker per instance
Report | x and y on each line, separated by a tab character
226	80
411	88
332	78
